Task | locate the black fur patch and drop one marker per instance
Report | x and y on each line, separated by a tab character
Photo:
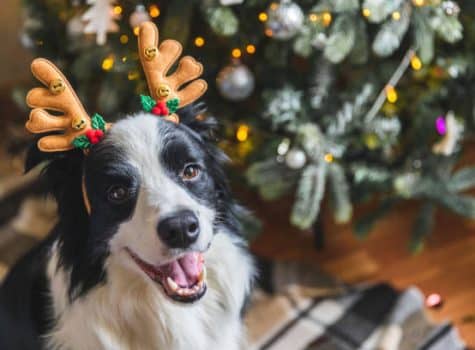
83	239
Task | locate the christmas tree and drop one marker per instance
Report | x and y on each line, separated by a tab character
349	99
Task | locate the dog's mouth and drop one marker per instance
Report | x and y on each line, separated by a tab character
183	279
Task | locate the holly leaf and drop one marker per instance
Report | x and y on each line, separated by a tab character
147	103
172	105
81	142
98	123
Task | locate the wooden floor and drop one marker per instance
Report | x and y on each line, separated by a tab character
446	266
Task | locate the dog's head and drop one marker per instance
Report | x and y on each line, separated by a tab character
147	194
157	195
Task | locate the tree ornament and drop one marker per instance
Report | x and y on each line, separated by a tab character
441	125
230	2
283	147
235	82
451	8
75	26
100	19
295	158
139	16
448	144
434	301
285	19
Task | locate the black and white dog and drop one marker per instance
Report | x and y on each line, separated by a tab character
158	263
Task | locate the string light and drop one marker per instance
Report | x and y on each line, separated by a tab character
124	59
263	17
268	32
108	63
133	75
242	133
418	2
313	17
327	19
391	94
117	10
328	158
416	62
136	30
396	15
366	12
250	49
274	6
236	53
124	39
154	11
199	41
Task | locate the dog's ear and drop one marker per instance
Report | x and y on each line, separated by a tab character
61	169
34	157
193	116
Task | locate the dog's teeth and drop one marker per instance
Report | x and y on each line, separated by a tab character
202	276
196	288
180	291
171	283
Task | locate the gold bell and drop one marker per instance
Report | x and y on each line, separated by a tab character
163	91
78	123
57	86
150	52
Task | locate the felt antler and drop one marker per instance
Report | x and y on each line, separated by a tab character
77	127
165	89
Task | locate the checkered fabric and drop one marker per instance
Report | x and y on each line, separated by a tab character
373	317
306	309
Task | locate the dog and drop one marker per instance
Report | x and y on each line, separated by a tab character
147	252
112	280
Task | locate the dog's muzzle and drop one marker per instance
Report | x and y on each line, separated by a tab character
179	230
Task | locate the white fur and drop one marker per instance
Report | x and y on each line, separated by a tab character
159	195
129	310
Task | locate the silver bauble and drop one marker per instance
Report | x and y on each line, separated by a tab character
451	8
284	19
139	16
75	26
230	2
235	82
295	158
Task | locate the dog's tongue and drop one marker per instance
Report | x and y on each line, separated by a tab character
186	270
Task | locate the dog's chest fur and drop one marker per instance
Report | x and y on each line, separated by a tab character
131	312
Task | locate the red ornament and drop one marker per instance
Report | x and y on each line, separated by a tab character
160	109
94	136
434	300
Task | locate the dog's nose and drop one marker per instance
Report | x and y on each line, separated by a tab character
179	230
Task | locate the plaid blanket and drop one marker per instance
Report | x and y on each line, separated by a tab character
301	308
373	317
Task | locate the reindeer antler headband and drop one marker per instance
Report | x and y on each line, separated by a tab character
77	129
166	97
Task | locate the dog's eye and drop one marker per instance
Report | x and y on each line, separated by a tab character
117	194
190	172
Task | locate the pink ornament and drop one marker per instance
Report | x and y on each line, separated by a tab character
434	300
441	125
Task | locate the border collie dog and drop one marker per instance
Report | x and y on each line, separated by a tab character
157	264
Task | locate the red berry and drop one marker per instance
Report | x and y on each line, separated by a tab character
90	133
94	136
156	110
